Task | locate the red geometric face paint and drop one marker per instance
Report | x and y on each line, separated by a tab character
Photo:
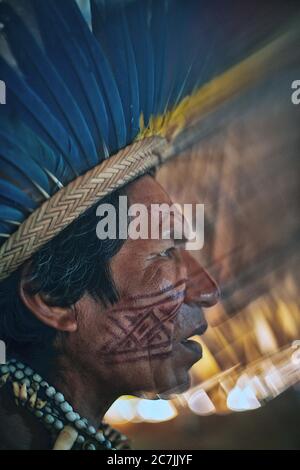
139	327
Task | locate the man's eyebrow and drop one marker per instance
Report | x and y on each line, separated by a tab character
171	235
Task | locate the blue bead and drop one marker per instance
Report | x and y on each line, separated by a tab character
4	369
91	447
26	382
58	424
49	419
80	439
100	436
80	424
59	398
66	407
50	392
28	371
37	378
91	430
19	375
20	365
12	368
71	416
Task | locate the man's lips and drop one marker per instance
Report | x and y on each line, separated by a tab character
193	323
193	346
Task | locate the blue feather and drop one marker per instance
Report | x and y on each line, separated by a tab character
6	230
68	58
48	160
32	110
103	73
112	33
34	149
137	17
19	166
43	78
8	213
159	33
14	197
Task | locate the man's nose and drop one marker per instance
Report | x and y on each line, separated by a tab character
206	291
201	288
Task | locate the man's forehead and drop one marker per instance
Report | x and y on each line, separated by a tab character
146	190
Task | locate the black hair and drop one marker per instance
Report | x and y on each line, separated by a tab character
73	263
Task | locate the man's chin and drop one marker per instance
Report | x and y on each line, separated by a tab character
168	393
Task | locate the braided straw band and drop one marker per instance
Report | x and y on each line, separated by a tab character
72	200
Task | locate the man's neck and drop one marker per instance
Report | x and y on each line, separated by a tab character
80	388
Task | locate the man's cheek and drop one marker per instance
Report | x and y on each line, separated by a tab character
135	333
133	337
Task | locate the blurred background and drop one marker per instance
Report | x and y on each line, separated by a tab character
245	391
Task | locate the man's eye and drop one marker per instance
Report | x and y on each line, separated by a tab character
169	253
166	253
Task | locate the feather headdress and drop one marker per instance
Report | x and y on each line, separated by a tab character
98	96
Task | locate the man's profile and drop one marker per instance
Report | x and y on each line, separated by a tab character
92	108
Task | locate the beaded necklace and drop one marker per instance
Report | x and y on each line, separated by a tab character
68	429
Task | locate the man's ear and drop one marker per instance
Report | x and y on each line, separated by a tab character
60	318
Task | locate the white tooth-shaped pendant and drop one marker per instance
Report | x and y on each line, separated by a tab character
23	393
40	404
3	379
32	400
66	438
16	389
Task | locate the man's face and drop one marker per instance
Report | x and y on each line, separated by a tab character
140	343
